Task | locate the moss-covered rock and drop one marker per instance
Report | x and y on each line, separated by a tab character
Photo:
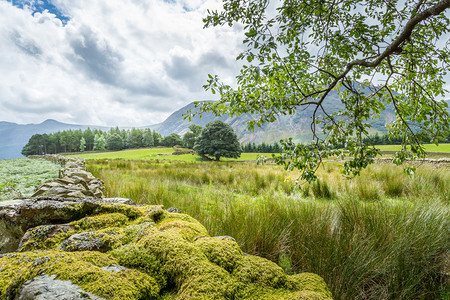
81	268
222	251
144	252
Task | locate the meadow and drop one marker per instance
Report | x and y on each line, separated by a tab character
159	153
18	177
382	235
164	153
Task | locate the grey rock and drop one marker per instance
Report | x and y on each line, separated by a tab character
42	233
48	288
115	268
89	241
16	217
118	200
174	210
85	241
40	260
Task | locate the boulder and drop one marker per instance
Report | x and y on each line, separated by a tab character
47	287
17	216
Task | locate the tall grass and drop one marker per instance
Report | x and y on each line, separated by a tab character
383	235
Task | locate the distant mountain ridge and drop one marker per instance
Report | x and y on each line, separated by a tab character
297	126
13	137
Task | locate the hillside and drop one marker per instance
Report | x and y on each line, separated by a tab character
296	126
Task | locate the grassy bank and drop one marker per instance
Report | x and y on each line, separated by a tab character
383	235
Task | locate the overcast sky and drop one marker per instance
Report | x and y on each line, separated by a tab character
115	62
110	62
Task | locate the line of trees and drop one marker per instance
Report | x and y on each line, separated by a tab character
118	139
262	148
93	140
384	139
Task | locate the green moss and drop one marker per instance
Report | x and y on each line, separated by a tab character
163	255
139	257
187	268
308	282
134	232
101	221
220	251
130	211
304	295
257	270
154	213
15	269
189	230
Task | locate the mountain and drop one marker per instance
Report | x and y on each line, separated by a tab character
296	126
14	136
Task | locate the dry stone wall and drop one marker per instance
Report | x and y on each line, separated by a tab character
74	181
437	163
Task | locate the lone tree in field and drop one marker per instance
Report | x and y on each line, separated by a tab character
373	53
218	140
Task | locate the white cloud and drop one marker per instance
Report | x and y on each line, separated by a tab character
126	62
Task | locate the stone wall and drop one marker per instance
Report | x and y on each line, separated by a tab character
437	163
74	180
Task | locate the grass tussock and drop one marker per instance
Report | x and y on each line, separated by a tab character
383	235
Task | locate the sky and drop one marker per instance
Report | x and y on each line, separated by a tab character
127	63
110	63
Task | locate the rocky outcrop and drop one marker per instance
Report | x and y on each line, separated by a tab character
74	181
110	248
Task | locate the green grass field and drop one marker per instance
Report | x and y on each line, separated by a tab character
154	154
164	154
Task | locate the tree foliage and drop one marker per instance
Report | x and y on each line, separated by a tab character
99	142
147	138
218	140
171	140
114	142
373	53
190	137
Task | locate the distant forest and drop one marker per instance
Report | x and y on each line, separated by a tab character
117	139
91	140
